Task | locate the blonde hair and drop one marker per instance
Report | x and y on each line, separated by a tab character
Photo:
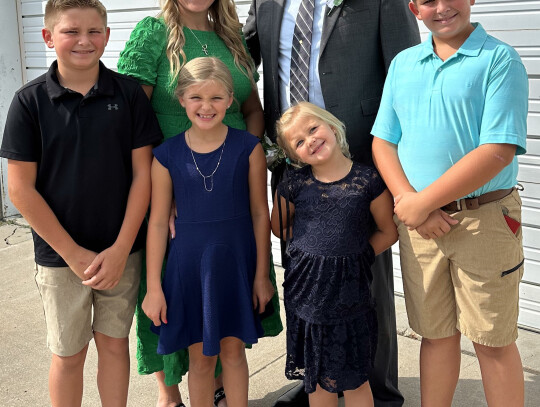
308	110
203	69
54	7
222	14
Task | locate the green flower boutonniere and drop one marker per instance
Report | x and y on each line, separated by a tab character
274	153
332	4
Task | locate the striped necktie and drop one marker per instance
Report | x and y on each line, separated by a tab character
301	51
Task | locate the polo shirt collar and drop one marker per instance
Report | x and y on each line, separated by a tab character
471	47
104	86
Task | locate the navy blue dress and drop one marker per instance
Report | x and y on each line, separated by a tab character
211	263
331	319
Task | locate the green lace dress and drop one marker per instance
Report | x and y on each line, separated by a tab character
144	58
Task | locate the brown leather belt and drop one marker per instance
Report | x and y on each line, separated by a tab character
474	203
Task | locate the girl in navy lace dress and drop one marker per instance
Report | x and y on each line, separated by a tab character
340	214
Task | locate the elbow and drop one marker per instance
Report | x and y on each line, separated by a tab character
506	159
275	232
275	228
394	237
504	154
17	195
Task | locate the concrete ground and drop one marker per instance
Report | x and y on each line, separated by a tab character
24	358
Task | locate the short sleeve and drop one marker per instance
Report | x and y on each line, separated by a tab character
387	125
284	188
22	137
140	57
146	126
376	183
292	182
161	153
251	142
504	118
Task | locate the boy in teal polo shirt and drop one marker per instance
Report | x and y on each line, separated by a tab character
451	122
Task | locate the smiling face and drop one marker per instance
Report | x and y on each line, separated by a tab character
448	20
79	37
206	104
312	141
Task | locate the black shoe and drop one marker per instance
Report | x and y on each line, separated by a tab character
294	397
219	395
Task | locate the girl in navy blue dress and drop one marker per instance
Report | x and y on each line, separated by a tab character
340	214
218	262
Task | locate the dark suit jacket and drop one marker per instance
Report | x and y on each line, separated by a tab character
359	40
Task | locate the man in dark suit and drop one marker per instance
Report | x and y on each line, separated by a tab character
353	43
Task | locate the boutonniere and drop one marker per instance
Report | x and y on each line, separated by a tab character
332	4
274	153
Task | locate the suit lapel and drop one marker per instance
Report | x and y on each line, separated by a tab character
330	18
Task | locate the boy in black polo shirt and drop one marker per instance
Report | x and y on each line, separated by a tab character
78	142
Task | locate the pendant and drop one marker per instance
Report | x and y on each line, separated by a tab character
205	49
211	177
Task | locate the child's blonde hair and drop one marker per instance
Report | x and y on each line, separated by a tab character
222	14
305	110
203	69
54	7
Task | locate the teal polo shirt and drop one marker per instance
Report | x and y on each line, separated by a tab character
437	112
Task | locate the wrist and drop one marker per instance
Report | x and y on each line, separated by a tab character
426	202
122	247
262	272
153	288
69	252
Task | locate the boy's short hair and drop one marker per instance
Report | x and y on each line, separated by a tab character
55	7
306	109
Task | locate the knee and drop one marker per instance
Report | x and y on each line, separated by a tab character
112	347
71	362
232	353
201	364
491	352
450	341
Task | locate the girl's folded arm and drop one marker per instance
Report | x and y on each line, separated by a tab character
280	229
382	209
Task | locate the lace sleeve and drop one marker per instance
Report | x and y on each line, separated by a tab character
141	55
376	184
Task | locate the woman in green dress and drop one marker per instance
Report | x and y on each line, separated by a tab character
154	54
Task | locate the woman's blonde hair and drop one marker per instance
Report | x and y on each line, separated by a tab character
203	69
309	110
222	14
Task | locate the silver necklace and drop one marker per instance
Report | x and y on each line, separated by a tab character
206	177
203	46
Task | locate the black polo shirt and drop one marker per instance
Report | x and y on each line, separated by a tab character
83	146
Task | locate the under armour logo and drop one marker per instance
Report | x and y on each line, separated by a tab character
111	107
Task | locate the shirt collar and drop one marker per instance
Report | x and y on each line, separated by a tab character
471	47
104	85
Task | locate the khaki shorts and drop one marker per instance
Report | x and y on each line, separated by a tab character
468	279
68	305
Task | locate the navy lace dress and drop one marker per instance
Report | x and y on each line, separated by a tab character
331	320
